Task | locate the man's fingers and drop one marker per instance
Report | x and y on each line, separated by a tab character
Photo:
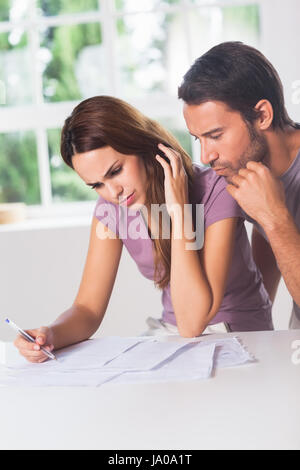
257	167
232	190
237	180
245	172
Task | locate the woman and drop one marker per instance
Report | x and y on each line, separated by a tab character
133	164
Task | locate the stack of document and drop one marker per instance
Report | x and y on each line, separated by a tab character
128	360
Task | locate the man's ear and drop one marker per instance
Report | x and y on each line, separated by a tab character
265	113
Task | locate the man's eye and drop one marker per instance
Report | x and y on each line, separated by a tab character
195	138
215	137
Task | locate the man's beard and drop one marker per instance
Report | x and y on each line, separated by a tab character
257	151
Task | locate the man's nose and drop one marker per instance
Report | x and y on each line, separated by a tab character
208	155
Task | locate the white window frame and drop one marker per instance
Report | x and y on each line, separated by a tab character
41	116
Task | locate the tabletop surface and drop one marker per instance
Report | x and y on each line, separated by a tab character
254	406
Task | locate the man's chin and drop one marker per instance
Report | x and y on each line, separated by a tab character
229	178
225	173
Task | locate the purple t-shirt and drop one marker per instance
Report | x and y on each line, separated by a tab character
246	305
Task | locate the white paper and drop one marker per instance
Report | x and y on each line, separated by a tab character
90	354
128	360
193	362
230	352
144	356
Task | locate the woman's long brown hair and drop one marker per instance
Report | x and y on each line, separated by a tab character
107	121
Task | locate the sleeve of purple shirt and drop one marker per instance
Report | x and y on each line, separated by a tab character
219	204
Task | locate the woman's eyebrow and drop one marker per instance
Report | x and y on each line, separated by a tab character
106	174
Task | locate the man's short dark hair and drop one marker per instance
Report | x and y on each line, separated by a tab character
238	75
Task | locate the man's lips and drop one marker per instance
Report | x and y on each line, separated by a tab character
219	169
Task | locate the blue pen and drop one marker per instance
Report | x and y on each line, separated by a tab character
28	337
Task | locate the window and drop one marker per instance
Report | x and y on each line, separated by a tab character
54	53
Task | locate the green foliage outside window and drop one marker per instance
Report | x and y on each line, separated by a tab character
60	7
65	43
19	181
4	10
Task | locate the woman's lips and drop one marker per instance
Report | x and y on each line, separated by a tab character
129	200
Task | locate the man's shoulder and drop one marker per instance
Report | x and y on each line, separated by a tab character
206	181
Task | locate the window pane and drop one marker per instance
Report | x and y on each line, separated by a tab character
74	60
4	10
152	53
13	10
66	184
206	2
242	22
19	178
142	5
57	7
212	25
15	71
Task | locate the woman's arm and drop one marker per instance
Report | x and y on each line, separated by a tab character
198	279
85	315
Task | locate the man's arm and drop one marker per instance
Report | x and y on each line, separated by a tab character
262	197
284	239
266	263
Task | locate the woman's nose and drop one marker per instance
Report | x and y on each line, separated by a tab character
115	190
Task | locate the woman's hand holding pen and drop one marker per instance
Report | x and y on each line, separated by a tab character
32	351
176	181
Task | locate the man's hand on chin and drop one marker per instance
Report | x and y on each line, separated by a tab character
259	193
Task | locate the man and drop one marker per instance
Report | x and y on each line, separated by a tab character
234	104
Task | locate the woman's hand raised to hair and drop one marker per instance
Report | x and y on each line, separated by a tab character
176	181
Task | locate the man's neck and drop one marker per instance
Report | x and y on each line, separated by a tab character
284	147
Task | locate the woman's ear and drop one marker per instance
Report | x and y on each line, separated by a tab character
265	113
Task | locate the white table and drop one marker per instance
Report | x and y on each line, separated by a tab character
255	406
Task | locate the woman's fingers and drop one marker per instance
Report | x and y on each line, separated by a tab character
174	157
165	165
34	355
41	335
32	350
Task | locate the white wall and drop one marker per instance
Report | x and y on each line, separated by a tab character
280	43
40	272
